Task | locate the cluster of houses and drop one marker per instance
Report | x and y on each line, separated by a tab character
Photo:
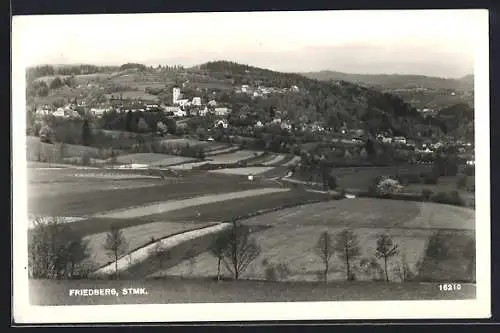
262	91
180	107
67	111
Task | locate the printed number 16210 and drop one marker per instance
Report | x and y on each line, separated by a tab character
450	286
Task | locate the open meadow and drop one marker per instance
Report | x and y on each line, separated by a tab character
153	160
291	236
62	198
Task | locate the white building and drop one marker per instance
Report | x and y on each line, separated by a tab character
176	94
259	124
286	126
183	102
196	101
42	112
203	112
212	103
400	139
180	113
97	112
151	106
59	113
221	111
72	113
171	108
244	88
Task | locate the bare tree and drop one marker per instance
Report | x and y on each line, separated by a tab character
218	248
241	250
116	245
347	247
385	250
325	249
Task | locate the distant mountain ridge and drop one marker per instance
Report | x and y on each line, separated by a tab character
395	81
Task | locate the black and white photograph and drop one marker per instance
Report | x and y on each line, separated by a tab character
242	166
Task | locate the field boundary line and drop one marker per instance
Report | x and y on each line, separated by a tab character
143	253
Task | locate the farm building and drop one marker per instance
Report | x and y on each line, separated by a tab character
183	102
203	112
222	111
180	113
170	108
400	139
196	101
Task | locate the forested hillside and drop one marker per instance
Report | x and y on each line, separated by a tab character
333	103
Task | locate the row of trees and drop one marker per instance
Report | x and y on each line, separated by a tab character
56	252
236	251
346	246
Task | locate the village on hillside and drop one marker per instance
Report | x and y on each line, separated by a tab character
228	172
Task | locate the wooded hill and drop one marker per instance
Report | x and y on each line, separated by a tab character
332	103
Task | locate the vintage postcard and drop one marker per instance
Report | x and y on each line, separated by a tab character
251	166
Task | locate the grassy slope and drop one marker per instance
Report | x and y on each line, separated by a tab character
79	204
219	211
136	236
294	232
35	146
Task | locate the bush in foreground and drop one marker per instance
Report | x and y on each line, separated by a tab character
54	252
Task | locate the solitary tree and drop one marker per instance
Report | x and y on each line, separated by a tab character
241	250
325	249
218	248
161	127
86	133
386	249
129	118
347	247
116	245
142	126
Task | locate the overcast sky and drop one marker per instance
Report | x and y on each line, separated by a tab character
436	43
